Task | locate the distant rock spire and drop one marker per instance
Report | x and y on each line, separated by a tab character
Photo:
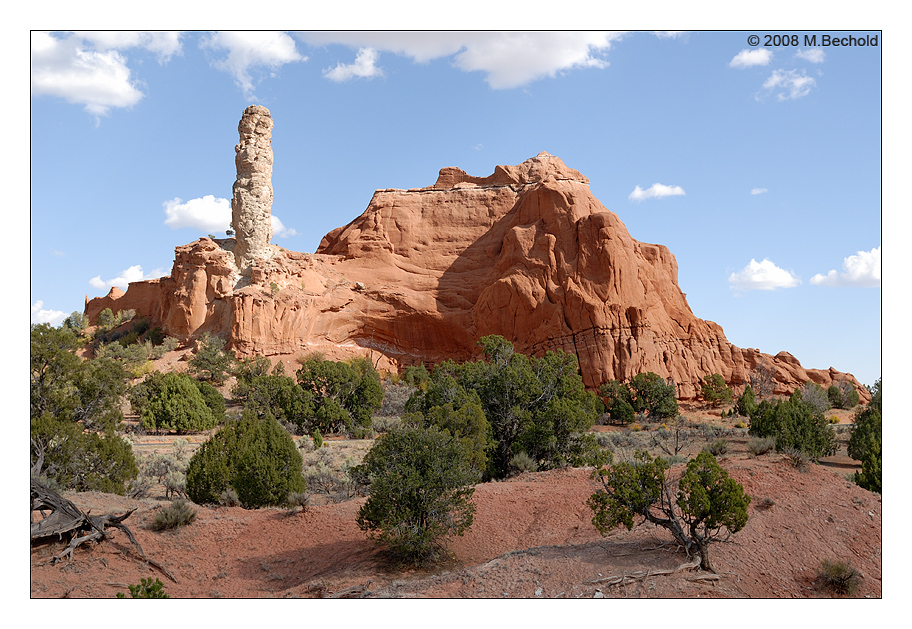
251	203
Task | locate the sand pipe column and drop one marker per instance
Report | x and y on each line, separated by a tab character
251	203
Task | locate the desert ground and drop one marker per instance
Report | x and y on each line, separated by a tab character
532	537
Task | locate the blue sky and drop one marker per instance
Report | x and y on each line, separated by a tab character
759	167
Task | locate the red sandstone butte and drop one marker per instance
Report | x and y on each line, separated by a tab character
527	253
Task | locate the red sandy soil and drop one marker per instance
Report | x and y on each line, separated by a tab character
532	538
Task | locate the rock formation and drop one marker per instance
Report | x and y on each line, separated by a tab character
421	275
251	203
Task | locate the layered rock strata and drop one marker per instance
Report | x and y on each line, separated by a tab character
421	275
251	202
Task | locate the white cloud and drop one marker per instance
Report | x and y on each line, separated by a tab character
509	59
655	191
251	49
758	190
40	315
762	276
208	214
87	68
364	67
750	58
164	44
279	230
861	269
132	274
66	69
211	215
814	55
791	83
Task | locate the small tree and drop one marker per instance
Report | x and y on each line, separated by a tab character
211	362
715	391
421	485
866	443
649	392
762	381
706	506
746	403
842	395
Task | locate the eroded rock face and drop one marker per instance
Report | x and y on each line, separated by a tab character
251	203
527	253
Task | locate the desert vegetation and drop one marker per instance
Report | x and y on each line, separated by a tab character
429	436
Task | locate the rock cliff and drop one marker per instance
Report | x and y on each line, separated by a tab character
421	275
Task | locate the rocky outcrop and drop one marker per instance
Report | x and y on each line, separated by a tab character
251	203
421	275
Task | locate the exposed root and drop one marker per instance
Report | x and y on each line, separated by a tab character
630	577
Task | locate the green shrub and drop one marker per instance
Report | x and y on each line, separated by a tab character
866	442
179	513
715	391
68	388
535	405
650	393
416	376
317	439
842	395
421	485
255	457
645	393
146	589
79	460
279	396
839	577
211	362
746	403
345	394
795	424
178	405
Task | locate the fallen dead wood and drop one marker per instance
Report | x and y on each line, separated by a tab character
67	521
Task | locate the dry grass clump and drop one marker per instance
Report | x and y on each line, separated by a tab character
761	445
179	513
839	577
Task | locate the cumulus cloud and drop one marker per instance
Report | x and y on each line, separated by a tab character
789	84
88	68
861	269
132	274
41	315
655	191
758	190
165	44
279	230
208	214
211	215
364	67
762	276
251	49
814	55
509	59
66	68
749	58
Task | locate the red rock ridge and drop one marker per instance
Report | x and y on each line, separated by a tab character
421	275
